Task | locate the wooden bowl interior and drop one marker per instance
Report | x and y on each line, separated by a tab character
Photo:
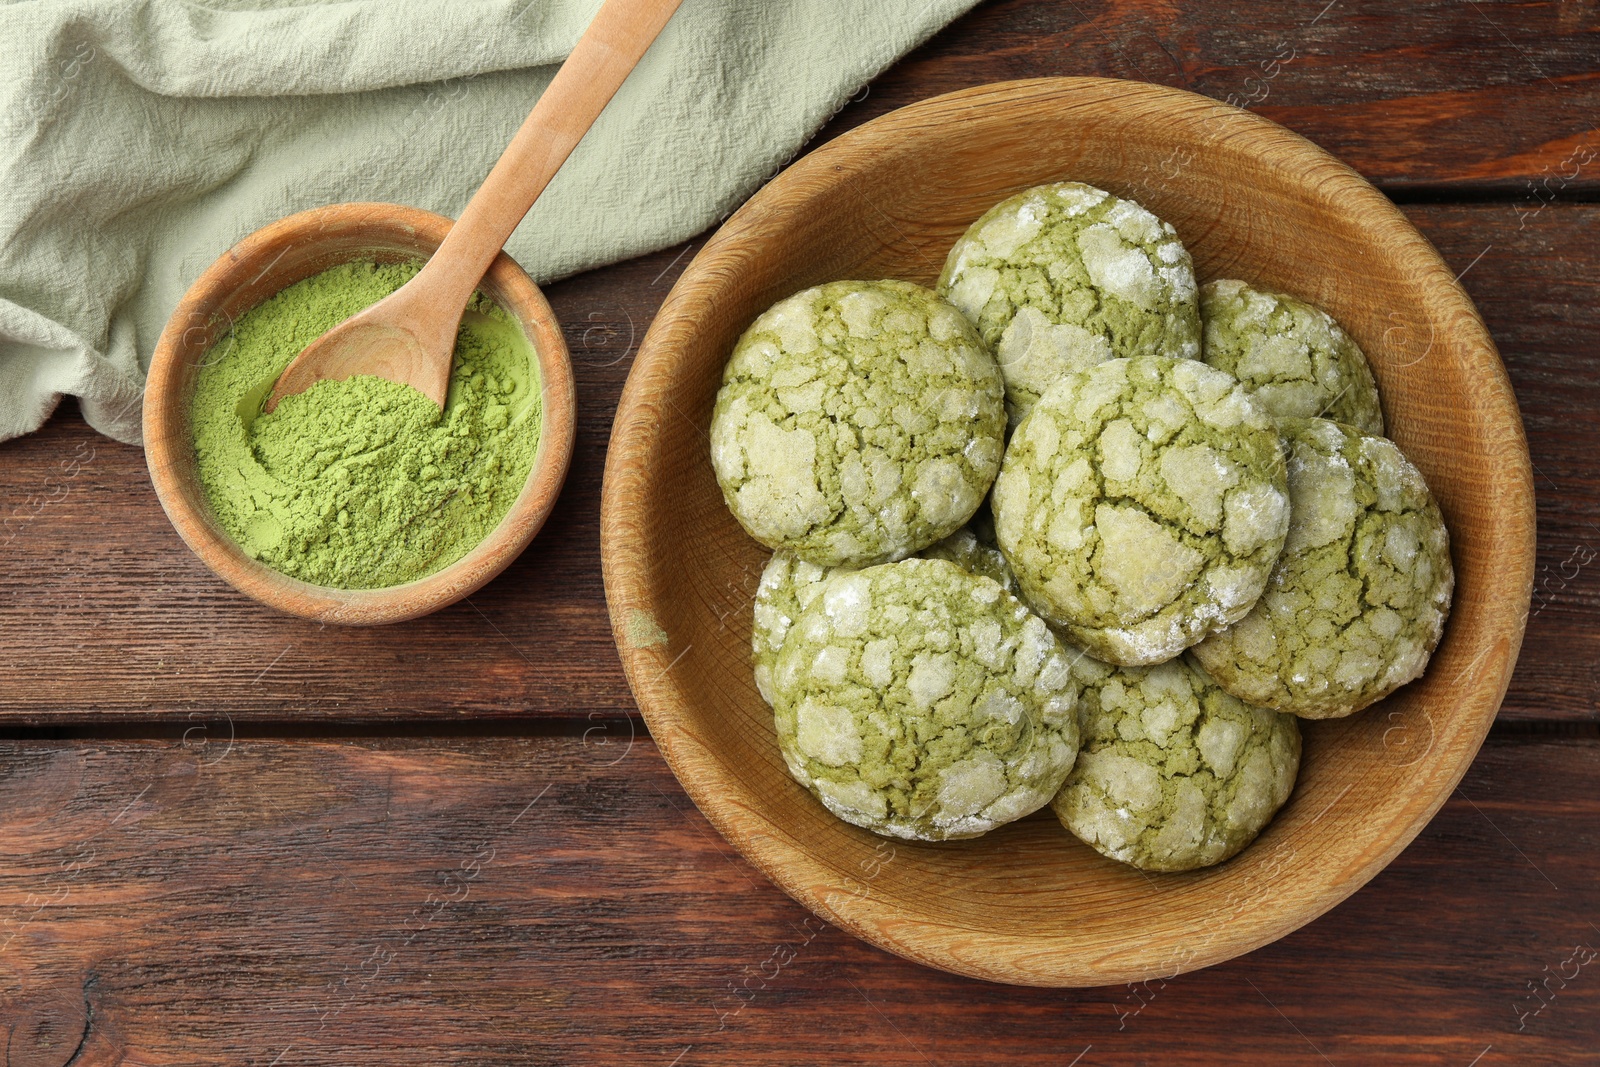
1029	903
263	265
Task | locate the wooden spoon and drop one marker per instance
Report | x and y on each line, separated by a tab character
410	335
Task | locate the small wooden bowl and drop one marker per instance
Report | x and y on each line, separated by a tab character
1028	903
265	263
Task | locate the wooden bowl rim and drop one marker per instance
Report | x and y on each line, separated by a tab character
626	516
169	448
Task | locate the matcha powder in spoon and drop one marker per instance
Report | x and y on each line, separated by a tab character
361	484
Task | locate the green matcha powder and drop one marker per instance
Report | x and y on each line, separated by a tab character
361	484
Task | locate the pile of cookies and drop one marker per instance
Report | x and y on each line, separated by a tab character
1071	530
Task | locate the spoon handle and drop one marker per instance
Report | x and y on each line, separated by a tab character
607	52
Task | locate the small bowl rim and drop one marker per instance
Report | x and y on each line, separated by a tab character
695	760
169	446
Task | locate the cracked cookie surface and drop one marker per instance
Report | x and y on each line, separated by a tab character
1358	601
1294	358
1142	505
857	423
972	548
789	584
1063	276
1174	773
920	701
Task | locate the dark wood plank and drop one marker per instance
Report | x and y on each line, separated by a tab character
104	613
1440	95
1535	277
556	901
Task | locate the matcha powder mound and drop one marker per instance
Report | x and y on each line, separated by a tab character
361	484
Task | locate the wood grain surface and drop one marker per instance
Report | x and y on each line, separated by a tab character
291	899
557	900
1443	97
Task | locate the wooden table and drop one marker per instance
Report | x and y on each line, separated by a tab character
230	836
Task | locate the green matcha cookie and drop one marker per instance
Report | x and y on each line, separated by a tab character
1061	277
1174	773
1295	360
788	585
968	549
920	701
857	422
1142	505
1358	601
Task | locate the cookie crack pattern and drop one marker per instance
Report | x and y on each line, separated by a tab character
922	701
857	422
1342	623
1198	794
1293	357
1101	267
1105	537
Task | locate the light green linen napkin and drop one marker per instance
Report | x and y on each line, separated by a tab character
138	140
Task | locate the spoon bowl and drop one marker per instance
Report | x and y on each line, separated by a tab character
374	342
262	265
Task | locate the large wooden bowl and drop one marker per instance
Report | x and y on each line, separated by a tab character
1028	903
262	265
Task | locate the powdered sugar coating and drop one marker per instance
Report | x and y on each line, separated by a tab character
1063	276
1294	358
1174	773
788	586
920	701
1141	505
857	422
975	553
1358	600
